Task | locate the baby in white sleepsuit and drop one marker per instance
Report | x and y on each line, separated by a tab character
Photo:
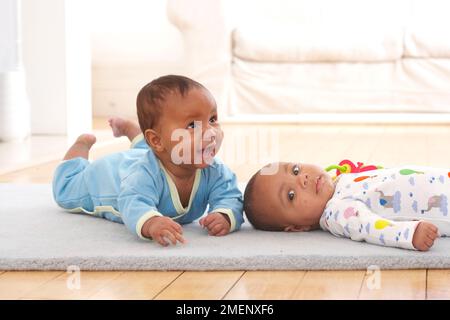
404	207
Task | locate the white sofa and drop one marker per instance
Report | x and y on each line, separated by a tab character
309	58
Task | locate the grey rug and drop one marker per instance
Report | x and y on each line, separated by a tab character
37	235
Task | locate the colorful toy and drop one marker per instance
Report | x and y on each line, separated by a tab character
347	166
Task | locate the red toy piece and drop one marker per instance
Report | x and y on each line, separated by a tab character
347	166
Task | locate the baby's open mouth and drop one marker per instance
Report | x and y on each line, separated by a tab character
209	151
318	183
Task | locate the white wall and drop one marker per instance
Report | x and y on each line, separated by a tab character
132	43
56	54
9	53
14	107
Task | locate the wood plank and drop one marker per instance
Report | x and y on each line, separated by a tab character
266	285
438	284
250	147
330	285
43	173
38	174
16	284
200	285
65	285
137	285
363	143
314	144
394	284
438	148
402	145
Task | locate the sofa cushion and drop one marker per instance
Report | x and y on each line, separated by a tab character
406	85
427	28
318	43
426	40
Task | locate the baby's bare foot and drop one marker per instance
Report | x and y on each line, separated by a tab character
86	139
119	126
81	147
122	127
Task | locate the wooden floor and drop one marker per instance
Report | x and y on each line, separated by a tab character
245	150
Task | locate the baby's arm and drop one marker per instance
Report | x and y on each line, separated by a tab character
353	219
137	202
225	202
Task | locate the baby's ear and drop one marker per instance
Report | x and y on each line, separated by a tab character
297	228
153	139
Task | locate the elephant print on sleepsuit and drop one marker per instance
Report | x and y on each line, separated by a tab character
439	202
390	201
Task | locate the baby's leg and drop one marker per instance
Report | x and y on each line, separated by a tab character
81	147
122	127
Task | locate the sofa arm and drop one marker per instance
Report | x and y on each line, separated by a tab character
207	43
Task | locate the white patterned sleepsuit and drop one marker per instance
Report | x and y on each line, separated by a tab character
383	206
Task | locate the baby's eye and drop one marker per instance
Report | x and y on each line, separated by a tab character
213	119
191	125
291	195
296	169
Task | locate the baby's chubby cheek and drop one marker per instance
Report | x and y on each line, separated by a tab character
302	206
213	136
212	141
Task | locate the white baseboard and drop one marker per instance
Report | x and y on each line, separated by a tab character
341	118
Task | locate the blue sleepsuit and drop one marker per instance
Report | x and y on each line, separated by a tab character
132	186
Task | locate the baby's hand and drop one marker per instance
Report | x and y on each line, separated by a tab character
218	224
424	236
163	230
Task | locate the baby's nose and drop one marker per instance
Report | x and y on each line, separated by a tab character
303	178
210	135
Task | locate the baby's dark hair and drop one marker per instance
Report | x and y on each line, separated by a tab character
256	216
152	97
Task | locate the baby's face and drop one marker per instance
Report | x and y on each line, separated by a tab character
296	195
189	128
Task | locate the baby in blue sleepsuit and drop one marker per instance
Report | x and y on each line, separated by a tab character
155	190
405	207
